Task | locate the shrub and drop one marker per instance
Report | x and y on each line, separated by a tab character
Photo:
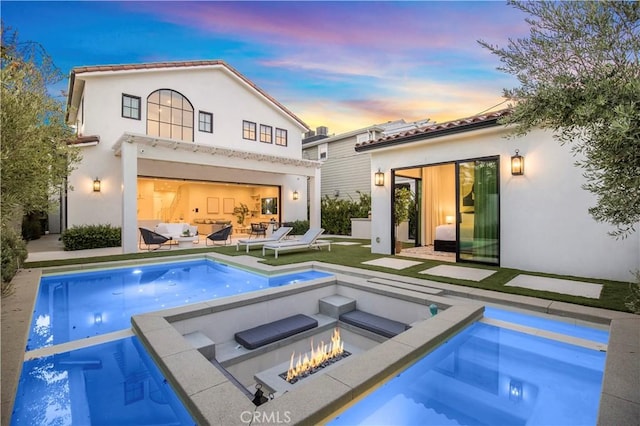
14	253
337	213
90	237
632	300
299	227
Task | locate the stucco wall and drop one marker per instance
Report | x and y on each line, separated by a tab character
544	221
211	90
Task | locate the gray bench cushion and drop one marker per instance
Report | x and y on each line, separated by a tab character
379	325
272	332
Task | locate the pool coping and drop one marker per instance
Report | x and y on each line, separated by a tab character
620	398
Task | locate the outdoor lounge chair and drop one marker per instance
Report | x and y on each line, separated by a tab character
277	236
307	241
151	238
223	234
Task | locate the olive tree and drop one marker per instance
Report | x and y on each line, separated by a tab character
579	76
35	157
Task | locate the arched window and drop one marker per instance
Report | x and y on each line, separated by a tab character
169	115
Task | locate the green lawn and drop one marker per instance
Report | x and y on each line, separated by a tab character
613	294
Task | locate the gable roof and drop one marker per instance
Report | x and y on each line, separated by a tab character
436	130
174	64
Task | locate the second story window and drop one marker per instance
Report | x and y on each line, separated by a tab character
248	130
265	133
169	115
205	122
130	106
281	137
323	151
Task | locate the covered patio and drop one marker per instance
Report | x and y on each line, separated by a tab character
152	157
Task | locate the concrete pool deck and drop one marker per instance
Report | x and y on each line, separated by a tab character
620	399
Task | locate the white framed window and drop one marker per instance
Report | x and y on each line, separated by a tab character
323	151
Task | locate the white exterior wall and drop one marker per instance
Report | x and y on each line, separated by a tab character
212	89
544	221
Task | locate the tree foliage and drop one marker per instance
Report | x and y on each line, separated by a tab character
579	76
35	156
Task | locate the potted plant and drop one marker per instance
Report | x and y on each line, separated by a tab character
241	213
403	197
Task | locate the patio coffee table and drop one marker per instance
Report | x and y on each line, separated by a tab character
185	242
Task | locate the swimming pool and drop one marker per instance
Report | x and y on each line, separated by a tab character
75	306
493	375
114	383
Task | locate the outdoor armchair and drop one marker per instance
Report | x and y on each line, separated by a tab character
223	234
151	238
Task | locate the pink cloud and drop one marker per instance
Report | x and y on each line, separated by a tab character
378	25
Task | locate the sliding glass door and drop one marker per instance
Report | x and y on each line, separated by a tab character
478	226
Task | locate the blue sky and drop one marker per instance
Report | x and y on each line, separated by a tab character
345	65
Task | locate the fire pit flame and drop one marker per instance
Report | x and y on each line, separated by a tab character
316	358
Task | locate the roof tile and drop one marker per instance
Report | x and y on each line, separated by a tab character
434	129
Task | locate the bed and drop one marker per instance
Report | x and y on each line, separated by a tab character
445	238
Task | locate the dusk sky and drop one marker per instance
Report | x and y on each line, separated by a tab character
345	65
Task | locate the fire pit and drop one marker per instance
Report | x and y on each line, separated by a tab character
318	358
322	357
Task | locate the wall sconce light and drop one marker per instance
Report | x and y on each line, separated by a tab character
96	185
379	178
296	195
448	219
517	164
515	390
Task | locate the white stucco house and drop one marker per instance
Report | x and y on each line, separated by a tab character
470	202
183	142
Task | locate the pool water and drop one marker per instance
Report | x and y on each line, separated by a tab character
114	383
487	375
569	329
75	306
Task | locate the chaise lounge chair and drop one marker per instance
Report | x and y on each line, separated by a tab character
223	234
307	241
277	236
151	238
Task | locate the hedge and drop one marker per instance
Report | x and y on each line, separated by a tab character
91	237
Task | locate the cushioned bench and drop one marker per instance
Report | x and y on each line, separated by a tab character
272	332
379	325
